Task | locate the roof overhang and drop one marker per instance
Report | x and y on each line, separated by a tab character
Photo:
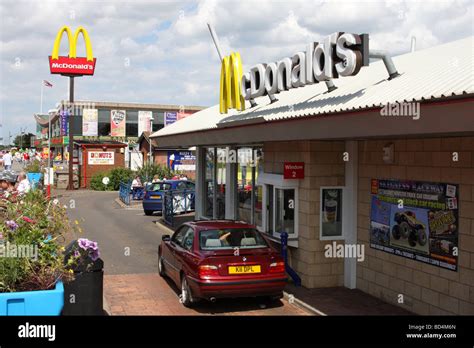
442	117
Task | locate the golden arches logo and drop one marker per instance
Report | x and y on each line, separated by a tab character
72	43
231	74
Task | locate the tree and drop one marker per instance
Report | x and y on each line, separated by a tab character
23	141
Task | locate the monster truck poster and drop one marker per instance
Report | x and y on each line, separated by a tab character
416	219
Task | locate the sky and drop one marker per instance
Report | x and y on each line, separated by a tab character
151	51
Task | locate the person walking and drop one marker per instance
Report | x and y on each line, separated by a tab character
136	187
7	161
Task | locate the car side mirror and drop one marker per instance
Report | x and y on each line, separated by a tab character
165	237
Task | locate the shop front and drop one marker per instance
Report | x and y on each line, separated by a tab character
373	181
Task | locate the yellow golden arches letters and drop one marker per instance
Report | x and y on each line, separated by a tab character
72	43
231	74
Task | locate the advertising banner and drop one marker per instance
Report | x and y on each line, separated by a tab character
144	118
417	220
101	158
64	122
117	123
181	160
331	211
90	122
170	117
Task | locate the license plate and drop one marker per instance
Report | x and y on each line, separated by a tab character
155	197
244	269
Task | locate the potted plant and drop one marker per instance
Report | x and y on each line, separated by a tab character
32	271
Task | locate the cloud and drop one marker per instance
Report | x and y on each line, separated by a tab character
161	52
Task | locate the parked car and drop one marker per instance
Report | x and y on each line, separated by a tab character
215	259
153	196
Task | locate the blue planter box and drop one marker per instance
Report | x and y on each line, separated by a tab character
34	179
40	302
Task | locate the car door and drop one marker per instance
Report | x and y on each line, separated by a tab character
169	254
185	258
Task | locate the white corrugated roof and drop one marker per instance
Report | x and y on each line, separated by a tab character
433	73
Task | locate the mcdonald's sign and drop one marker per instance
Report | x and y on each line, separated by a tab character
72	65
231	74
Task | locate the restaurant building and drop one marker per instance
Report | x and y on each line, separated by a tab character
373	180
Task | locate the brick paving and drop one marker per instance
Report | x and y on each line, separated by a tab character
149	294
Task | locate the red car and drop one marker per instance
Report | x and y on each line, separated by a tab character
215	259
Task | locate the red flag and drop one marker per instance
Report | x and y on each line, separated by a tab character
47	84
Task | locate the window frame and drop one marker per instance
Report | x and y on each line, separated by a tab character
278	182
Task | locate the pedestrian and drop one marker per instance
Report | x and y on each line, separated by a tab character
7	160
136	187
156	179
23	183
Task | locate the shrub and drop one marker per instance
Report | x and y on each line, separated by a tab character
117	175
38	224
97	184
148	171
33	167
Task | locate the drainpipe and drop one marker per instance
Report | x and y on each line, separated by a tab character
387	60
84	163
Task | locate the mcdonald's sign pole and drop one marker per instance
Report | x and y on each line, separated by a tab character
71	66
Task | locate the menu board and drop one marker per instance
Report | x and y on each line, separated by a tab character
416	220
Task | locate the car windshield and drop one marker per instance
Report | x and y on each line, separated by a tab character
231	238
158	186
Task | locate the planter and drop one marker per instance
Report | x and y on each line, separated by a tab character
40	302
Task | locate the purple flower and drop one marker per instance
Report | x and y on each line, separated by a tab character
95	255
83	243
77	253
93	246
11	224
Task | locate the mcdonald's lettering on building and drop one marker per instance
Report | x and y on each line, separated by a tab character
72	65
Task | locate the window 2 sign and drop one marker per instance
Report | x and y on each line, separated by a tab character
293	170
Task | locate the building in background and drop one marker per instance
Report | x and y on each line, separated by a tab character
97	123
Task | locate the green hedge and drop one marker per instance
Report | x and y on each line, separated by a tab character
115	176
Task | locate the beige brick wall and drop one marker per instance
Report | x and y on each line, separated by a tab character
426	289
324	166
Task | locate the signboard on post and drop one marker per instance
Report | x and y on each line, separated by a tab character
64	121
101	158
417	220
293	170
117	123
90	122
71	65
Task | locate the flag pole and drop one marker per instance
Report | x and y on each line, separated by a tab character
41	103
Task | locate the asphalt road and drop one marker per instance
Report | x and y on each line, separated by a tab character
128	240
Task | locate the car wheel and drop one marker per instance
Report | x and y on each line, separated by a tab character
161	266
404	229
186	297
421	234
148	212
396	232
